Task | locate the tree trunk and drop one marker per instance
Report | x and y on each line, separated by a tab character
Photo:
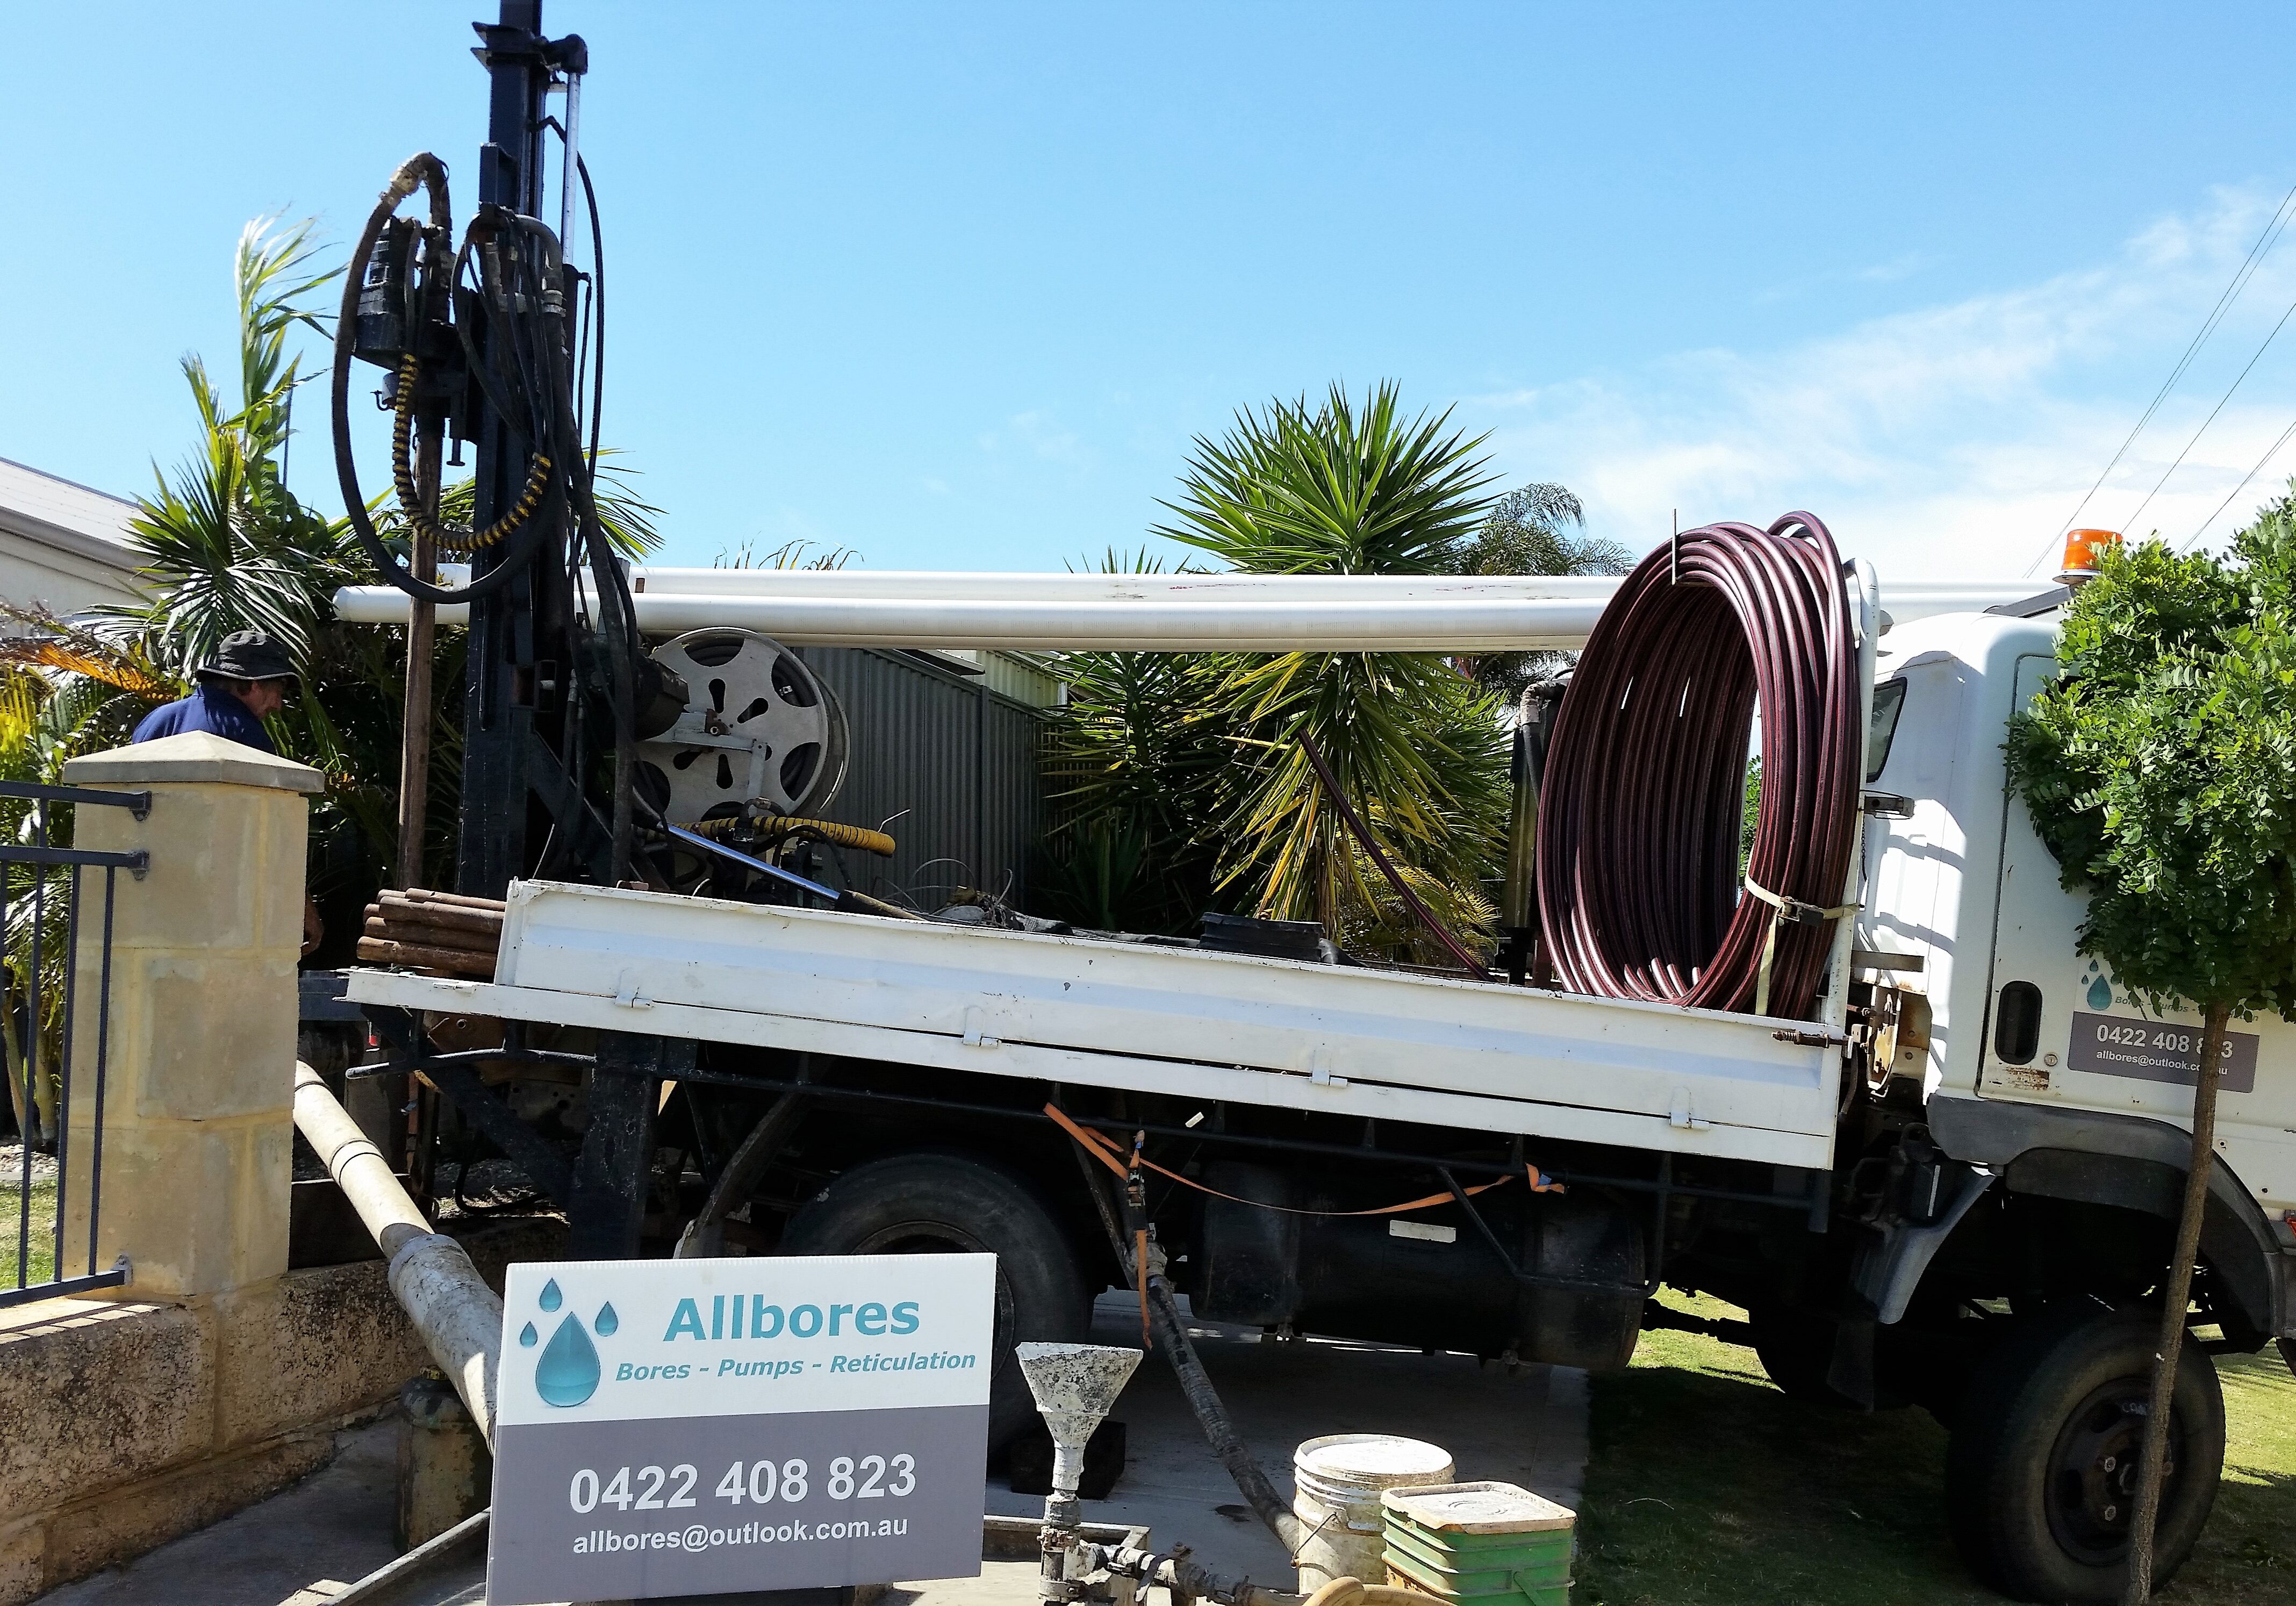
33	1128
2172	1312
19	1090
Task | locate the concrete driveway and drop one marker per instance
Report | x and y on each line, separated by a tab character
1530	1428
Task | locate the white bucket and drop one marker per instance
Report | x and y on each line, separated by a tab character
1337	1482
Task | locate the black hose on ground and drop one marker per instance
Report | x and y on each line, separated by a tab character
1171	1332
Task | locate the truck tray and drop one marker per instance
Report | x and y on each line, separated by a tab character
1389	1045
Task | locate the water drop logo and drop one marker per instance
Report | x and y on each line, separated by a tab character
2099	990
566	1373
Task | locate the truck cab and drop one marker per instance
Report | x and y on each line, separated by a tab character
2012	1166
2019	1047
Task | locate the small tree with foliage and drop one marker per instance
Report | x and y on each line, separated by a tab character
2161	770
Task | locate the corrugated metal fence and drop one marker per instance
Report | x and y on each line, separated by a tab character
948	766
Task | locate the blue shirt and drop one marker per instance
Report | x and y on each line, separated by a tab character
211	708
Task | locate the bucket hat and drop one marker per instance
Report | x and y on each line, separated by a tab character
249	655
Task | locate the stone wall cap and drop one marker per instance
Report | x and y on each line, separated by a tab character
195	757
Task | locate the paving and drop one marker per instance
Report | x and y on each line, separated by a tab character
332	1528
303	1546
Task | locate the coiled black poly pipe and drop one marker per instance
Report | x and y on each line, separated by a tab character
1639	815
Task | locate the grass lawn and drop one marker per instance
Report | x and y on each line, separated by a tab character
1708	1488
42	1262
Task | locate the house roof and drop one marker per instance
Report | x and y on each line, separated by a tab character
70	518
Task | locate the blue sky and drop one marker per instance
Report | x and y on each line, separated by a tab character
954	286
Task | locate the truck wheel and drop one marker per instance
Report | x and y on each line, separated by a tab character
2041	1471
909	1204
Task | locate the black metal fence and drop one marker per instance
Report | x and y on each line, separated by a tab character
55	1025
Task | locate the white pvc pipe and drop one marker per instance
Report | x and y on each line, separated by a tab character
458	1316
991	586
1166	613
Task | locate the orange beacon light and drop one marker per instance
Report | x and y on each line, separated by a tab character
2084	555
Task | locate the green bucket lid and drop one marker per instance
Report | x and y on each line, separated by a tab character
1463	1514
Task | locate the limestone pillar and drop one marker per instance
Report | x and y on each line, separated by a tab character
198	1125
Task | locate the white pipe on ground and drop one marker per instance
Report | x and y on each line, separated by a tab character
1156	613
458	1316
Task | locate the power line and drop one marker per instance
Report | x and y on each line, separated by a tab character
2273	228
2269	454
2211	418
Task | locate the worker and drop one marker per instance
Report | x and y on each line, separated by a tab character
246	682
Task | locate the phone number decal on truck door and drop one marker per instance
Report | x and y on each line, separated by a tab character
2158	1051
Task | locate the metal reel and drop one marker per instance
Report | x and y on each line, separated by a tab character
759	725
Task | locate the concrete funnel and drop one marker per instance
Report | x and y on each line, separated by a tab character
1075	1384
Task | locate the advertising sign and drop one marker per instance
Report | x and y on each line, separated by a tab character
2158	1051
695	1427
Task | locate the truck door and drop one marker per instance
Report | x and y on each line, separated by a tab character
2061	1030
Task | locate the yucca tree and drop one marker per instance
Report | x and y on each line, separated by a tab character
1336	487
1134	760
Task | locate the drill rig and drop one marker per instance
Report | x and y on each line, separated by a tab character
494	339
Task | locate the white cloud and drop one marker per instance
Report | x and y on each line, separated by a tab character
1898	267
1040	435
1945	439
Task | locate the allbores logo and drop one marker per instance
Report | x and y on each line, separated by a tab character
2100	988
567	1372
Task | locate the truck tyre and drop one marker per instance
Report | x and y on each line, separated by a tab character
948	1204
2041	1471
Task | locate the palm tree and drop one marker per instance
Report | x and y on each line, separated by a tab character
1335	487
63	692
226	545
1535	529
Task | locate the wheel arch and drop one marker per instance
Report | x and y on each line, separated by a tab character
2085	1157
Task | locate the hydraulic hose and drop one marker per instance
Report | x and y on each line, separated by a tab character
1639	886
778	826
426	172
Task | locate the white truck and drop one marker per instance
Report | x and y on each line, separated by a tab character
1956	1188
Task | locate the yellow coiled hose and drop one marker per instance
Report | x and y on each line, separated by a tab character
410	501
786	825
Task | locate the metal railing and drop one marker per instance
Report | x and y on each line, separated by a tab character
55	925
